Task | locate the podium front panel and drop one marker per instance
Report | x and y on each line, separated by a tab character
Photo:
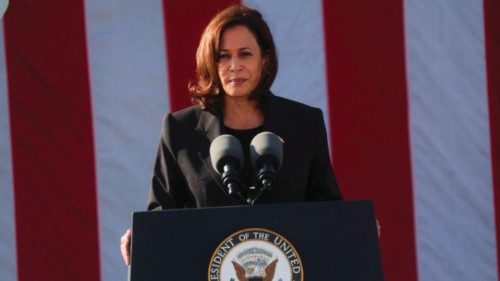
335	240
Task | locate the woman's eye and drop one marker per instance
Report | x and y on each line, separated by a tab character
246	54
222	56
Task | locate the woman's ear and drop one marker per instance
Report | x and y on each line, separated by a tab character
265	63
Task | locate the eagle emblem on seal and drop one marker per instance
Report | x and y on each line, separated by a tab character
255	264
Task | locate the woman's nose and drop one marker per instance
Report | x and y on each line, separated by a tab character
235	64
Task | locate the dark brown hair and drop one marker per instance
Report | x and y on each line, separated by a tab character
207	91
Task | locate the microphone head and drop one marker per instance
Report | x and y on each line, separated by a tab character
226	149
266	146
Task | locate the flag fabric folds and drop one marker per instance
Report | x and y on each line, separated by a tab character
409	90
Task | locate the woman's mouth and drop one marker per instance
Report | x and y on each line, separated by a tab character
237	81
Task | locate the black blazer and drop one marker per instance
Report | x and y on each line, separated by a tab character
183	175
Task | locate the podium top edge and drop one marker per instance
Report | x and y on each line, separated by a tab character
271	205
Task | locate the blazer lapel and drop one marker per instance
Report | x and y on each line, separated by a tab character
210	126
207	129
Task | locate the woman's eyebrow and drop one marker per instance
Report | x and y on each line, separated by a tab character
240	49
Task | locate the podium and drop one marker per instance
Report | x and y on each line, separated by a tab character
298	241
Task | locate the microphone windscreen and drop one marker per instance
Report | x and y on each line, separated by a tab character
266	145
226	149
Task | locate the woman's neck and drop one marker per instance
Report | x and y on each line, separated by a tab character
242	113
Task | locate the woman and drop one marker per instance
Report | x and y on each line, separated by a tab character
236	66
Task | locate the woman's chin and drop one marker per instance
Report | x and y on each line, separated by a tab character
237	95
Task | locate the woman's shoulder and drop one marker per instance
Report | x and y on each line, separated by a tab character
188	113
292	106
179	125
184	118
188	118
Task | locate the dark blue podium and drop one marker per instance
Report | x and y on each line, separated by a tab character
331	240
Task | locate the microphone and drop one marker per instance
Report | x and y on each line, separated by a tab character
226	154
266	154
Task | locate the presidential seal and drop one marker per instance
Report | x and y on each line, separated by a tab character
255	254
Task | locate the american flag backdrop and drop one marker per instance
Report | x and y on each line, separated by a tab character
410	91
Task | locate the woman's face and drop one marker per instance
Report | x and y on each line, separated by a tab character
240	62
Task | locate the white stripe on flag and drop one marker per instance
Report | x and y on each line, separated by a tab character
129	96
297	28
8	265
450	140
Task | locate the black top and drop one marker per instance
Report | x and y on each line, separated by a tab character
247	174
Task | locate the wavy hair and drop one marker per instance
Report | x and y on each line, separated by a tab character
207	90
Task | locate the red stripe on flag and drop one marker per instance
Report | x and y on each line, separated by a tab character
492	38
369	120
52	141
184	23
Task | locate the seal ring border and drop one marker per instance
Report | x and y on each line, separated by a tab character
256	229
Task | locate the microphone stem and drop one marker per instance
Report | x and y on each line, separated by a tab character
266	185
